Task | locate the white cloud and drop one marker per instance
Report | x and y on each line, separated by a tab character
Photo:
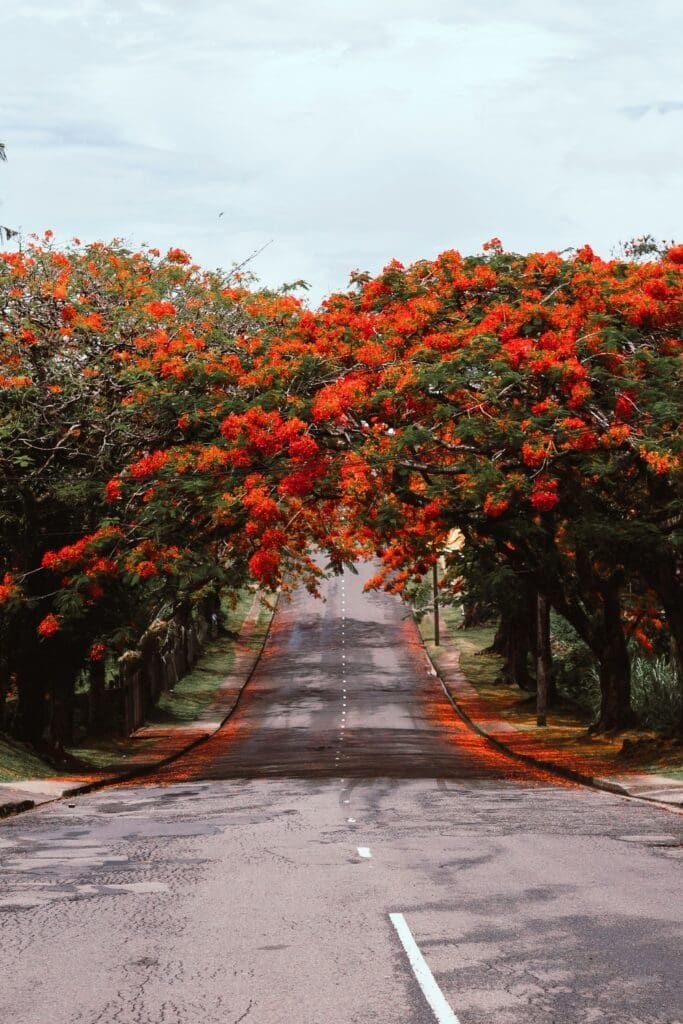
349	133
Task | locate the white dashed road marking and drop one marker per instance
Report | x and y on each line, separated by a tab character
425	978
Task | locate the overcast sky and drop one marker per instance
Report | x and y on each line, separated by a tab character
347	132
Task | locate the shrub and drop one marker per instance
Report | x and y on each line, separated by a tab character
656	694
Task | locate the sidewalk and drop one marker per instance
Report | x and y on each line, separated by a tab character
157	745
483	716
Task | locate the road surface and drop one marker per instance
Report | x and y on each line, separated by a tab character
344	824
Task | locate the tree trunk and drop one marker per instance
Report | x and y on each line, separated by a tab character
5	683
31	711
666	582
543	658
615	668
96	698
26	661
183	620
60	730
475	613
513	641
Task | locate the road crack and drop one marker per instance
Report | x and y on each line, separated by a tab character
247	1011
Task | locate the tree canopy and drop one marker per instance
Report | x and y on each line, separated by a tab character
164	430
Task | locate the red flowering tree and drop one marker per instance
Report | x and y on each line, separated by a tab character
131	461
529	402
165	432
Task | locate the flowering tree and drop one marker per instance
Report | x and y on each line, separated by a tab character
527	401
166	433
132	464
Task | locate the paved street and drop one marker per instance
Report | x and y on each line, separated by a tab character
254	880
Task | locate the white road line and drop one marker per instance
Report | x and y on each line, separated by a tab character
364	851
424	976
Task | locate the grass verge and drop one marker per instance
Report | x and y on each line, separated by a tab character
177	707
18	762
634	750
194	691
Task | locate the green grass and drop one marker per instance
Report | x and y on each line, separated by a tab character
108	751
186	700
194	692
480	669
567	723
18	762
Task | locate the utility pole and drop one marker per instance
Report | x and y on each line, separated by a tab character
435	584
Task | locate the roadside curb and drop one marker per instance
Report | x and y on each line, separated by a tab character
571	774
11	809
8	810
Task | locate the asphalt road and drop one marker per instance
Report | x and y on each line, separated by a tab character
254	881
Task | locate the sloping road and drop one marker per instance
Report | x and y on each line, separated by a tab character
344	689
254	880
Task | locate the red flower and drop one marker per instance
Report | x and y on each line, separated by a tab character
303	448
177	256
533	456
102	566
113	490
264	565
97	652
544	495
148	465
495	507
160	310
624	407
146	569
675	254
49	626
659	462
296	484
585	255
7	588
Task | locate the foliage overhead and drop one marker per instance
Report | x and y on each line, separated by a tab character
164	430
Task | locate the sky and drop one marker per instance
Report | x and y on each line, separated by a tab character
342	135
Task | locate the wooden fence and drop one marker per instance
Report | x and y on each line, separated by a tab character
166	652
